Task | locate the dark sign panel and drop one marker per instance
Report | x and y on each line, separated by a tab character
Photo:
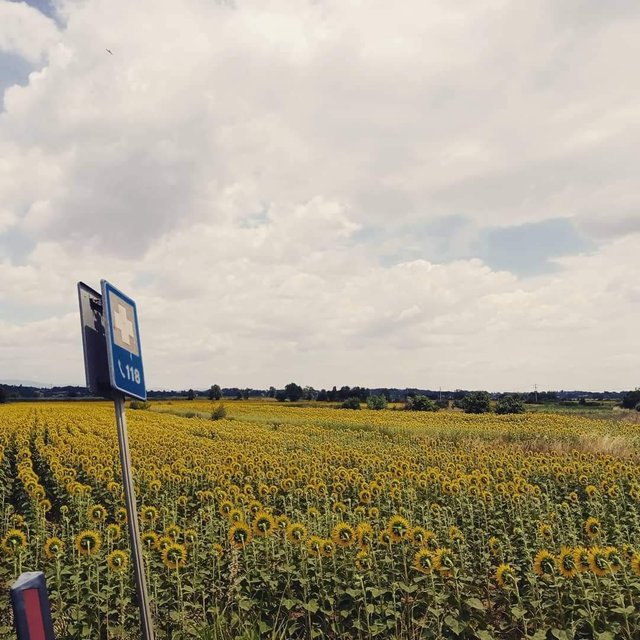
96	364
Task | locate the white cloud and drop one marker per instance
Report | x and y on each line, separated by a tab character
228	161
24	31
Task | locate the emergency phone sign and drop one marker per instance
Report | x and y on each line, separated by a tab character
123	342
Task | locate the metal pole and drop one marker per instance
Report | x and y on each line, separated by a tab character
132	516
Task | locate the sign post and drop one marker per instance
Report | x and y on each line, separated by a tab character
111	339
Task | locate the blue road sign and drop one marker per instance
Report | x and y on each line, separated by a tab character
123	342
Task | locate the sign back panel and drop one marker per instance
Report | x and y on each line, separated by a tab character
96	363
123	342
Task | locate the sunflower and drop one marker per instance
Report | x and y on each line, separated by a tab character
240	535
544	563
14	541
339	507
364	535
174	556
217	549
88	542
53	548
599	561
545	530
182	501
364	495
44	505
455	535
264	524
419	535
150	539
592	527
343	535
581	557
362	561
163	542
173	531
121	515
385	538
328	548
635	563
423	561
113	531
296	533
494	545
113	487
613	559
443	561
118	561
190	536
314	546
96	513
398	528
282	522
505	575
374	513
148	514
225	508
566	562
255	507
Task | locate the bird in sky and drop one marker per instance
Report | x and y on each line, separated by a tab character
109	51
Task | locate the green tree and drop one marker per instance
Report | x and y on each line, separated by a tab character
377	402
631	399
420	403
293	391
509	404
3	395
476	402
351	403
191	394
215	393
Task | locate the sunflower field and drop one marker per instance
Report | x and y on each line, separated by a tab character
305	522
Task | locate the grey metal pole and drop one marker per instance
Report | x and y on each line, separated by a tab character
132	515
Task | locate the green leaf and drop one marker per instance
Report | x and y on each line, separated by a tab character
475	603
454	624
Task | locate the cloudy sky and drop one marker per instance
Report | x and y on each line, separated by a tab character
425	193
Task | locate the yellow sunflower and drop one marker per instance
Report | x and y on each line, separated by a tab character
149	539
14	541
505	575
599	561
544	563
328	548
635	563
423	561
118	561
240	535
53	548
363	561
343	535
88	542
581	557
443	561
148	514
113	531
314	546
96	513
398	528
296	533
264	524
174	556
592	527
566	562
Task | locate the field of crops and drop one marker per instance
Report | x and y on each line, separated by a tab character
299	522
